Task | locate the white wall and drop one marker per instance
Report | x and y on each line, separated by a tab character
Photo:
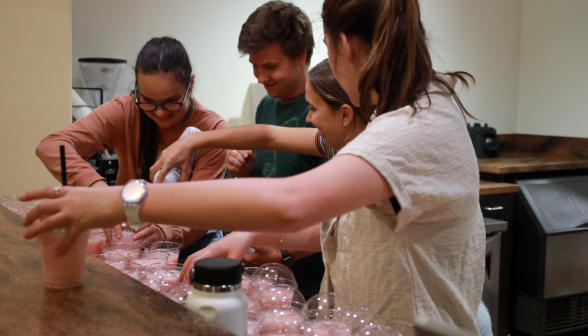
208	29
554	68
35	86
481	37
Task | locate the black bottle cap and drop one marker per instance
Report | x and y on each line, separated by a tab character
217	272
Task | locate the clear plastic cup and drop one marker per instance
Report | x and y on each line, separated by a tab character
283	313
115	260
278	295
252	324
281	329
166	246
326	301
126	237
120	248
361	317
95	242
131	269
376	330
270	275
163	272
180	293
145	258
250	270
67	270
175	268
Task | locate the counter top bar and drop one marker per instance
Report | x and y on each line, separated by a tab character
108	303
493	188
514	162
524	153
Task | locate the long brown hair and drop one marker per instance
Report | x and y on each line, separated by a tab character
399	66
325	84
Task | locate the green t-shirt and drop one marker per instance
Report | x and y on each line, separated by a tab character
272	163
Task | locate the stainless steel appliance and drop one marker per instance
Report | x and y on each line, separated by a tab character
551	250
491	294
101	76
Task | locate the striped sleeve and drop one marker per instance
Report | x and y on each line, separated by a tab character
322	148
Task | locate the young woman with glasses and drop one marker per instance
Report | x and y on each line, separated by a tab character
138	126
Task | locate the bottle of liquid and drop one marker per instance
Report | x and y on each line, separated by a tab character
217	293
173	175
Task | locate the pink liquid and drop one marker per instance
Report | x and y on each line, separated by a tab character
145	262
173	257
65	271
94	247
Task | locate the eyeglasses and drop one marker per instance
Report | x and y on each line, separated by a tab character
169	107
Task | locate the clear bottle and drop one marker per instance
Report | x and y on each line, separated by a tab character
173	175
217	293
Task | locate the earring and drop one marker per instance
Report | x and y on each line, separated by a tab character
344	124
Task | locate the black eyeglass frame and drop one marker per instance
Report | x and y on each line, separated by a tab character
180	104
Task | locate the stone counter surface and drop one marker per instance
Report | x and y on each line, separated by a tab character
108	302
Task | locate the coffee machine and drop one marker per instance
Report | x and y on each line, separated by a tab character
101	76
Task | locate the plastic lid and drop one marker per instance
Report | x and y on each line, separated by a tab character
102	60
216	272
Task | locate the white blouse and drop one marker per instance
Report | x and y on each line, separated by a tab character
429	259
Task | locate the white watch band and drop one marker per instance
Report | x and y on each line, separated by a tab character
132	214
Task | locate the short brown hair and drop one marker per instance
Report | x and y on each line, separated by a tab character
277	22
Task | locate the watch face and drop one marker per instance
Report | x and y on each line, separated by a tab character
133	192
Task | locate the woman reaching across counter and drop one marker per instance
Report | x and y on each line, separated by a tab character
424	258
138	126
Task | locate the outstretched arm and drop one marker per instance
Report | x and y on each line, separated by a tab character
295	140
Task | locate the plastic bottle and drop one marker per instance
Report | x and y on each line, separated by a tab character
217	293
173	175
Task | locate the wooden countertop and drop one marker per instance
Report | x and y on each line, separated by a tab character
493	188
515	162
108	303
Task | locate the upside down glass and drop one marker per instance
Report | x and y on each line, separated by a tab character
67	270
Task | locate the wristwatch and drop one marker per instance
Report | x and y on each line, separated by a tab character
287	259
132	195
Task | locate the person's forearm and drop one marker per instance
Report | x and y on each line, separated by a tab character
280	205
308	240
259	137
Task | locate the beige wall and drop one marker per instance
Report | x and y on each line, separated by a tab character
554	68
477	36
35	86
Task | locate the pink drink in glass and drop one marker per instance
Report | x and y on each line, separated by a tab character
95	242
67	270
145	258
120	248
165	246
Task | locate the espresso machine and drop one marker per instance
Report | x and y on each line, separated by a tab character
101	76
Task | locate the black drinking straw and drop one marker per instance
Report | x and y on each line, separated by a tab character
63	171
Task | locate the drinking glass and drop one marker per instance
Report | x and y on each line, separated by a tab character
284	312
279	294
115	260
180	293
120	248
270	275
165	246
164	272
95	242
148	257
131	269
281	329
67	270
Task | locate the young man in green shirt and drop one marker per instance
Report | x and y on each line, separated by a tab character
278	39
